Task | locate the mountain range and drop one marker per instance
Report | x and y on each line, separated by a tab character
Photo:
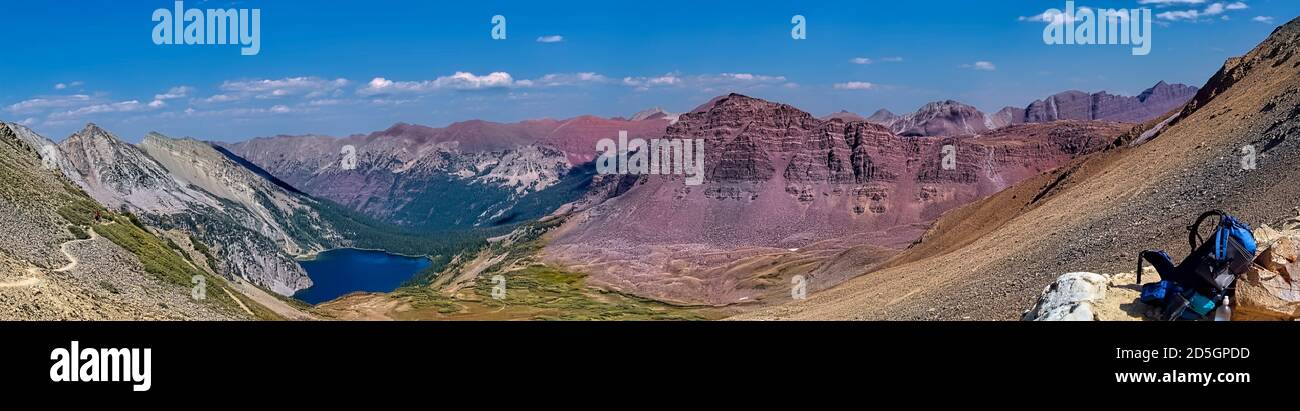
778	179
787	195
469	174
952	118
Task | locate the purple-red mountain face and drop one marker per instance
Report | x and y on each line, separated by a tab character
1077	105
780	182
951	118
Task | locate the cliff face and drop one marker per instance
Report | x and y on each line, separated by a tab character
776	177
1077	105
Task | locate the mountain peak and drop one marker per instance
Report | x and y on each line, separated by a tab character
92	128
883	117
93	132
654	114
942	118
730	98
844	115
1166	90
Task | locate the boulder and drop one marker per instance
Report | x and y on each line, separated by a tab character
1070	298
1281	258
1265	295
1266	235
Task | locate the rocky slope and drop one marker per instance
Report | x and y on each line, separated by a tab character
781	185
990	260
54	265
469	174
253	227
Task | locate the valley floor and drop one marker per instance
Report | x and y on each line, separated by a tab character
536	292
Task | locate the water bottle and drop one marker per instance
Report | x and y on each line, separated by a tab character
1224	313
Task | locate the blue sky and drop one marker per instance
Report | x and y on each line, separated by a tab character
344	67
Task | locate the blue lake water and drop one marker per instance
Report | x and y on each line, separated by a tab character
336	273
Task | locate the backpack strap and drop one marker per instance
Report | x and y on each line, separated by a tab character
1194	239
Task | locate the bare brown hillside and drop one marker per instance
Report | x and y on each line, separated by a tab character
989	260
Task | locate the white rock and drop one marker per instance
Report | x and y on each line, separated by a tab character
1070	298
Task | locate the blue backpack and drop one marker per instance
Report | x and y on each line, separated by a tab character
1207	274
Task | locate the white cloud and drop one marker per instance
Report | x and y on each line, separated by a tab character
157	104
645	83
740	77
981	65
1213	9
704	82
461	80
118	107
277	88
28	122
1055	16
64	86
469	81
860	60
855	85
39	104
175	93
1171	2
564	79
221	98
237	112
550	39
325	102
1263	19
1179	15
